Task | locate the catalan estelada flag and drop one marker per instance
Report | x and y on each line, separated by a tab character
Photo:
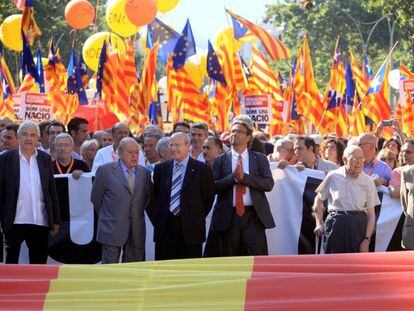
274	47
370	281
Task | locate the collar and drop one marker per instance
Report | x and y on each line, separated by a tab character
125	168
183	162
34	154
345	173
244	154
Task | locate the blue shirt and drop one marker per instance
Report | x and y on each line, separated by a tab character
378	168
184	164
126	170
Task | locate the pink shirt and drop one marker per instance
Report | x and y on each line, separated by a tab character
396	177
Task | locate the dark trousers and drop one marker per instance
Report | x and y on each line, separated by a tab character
245	237
344	232
172	245
36	238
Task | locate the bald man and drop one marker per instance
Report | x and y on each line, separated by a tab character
121	192
378	170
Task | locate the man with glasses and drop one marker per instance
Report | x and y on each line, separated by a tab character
242	213
379	171
351	196
282	152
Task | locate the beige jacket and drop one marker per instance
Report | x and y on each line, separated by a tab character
407	202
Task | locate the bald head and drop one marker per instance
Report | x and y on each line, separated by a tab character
367	143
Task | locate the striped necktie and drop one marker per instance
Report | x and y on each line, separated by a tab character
176	190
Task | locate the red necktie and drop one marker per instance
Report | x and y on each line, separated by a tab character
240	191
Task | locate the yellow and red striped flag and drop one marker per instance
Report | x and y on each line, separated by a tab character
8	75
28	85
361	80
29	25
274	47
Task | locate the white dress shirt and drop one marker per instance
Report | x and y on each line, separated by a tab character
200	156
247	199
108	155
30	202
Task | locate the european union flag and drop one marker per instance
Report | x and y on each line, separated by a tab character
239	29
166	37
213	66
184	48
74	83
39	67
350	85
28	64
99	72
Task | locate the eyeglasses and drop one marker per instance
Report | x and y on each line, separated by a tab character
238	132
361	144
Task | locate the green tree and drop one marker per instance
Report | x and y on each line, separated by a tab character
328	20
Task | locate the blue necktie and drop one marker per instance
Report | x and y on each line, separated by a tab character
175	190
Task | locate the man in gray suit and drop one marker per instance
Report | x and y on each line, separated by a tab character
121	192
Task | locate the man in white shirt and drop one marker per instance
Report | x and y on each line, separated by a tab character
198	133
28	202
351	196
109	153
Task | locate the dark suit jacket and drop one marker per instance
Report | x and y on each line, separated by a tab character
196	200
10	183
259	180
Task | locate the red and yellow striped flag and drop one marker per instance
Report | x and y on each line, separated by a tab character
8	75
361	81
28	85
274	47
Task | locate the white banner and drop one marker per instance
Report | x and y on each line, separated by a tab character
290	201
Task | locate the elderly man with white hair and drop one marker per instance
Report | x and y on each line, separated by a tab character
65	163
351	196
29	208
283	151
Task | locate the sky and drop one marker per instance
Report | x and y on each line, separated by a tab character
207	17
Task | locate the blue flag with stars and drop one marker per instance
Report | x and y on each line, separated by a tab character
184	48
214	70
99	72
74	82
39	67
166	37
28	64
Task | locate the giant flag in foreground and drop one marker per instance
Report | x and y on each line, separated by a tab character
370	281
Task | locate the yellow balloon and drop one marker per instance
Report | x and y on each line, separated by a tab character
194	72
117	19
93	45
166	5
10	33
226	37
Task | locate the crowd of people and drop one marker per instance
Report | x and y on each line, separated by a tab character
178	177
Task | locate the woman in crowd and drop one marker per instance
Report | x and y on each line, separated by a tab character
332	149
388	156
88	151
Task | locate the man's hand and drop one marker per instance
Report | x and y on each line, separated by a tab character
364	246
300	166
318	230
54	230
76	174
238	172
283	164
379	181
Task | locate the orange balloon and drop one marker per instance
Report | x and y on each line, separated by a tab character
141	12
79	14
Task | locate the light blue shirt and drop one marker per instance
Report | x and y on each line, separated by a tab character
126	170
378	168
184	164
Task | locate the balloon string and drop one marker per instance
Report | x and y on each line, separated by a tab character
96	15
74	38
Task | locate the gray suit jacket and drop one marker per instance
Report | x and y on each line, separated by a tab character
407	202
120	210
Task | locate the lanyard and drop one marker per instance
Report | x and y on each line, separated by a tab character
374	164
69	168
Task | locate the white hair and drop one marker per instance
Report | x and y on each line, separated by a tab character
162	144
187	137
127	140
62	136
86	144
28	124
350	150
283	142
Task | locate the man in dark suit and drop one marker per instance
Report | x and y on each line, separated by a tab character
121	193
28	201
184	190
242	213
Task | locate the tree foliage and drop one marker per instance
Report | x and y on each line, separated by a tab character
328	20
